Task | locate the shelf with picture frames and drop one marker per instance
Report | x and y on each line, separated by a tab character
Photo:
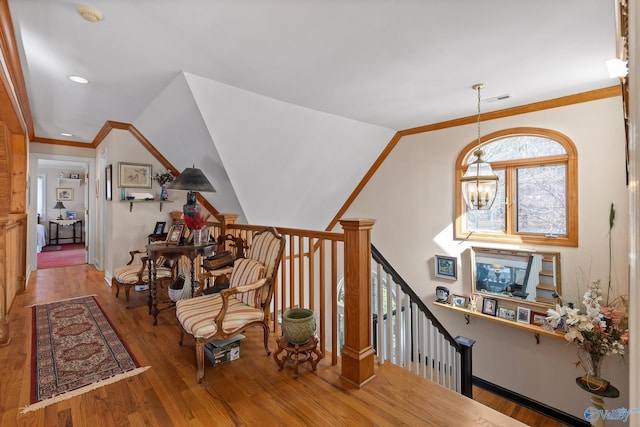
468	314
132	201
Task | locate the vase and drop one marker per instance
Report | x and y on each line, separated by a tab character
198	236
592	378
298	325
163	192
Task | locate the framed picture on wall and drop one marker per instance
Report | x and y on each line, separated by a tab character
108	186
134	175
445	267
64	194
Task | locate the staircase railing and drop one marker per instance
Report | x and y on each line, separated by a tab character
409	335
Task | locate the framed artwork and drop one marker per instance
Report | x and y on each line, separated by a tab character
524	314
159	228
134	175
71	214
108	186
74	176
64	194
489	306
458	301
538	318
446	267
175	233
507	313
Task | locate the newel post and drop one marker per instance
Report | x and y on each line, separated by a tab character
357	352
225	220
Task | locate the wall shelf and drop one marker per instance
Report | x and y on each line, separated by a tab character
69	181
537	330
131	202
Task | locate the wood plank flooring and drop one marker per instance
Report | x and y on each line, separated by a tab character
246	392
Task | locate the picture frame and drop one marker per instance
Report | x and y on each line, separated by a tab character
538	318
175	234
134	175
108	186
489	306
459	301
446	267
524	315
71	215
64	194
159	228
507	313
74	175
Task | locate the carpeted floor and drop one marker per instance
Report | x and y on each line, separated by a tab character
68	254
74	349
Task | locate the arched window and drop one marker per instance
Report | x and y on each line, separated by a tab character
537	200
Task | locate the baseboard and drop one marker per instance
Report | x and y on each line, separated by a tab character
534	405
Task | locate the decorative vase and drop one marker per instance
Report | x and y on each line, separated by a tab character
298	325
592	378
198	236
163	192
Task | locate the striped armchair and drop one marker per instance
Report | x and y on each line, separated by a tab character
245	304
137	273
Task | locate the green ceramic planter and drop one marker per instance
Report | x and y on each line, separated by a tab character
298	325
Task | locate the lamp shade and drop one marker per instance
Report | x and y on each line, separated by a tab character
479	184
192	179
59	205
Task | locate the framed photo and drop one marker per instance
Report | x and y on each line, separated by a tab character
64	194
134	175
159	228
489	306
175	233
524	314
108	186
507	313
446	267
71	214
538	318
74	176
458	301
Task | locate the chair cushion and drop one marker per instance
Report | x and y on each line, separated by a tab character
128	274
246	271
265	248
197	315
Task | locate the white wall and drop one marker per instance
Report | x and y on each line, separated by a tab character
123	230
411	197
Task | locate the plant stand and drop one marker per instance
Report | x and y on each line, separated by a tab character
297	354
597	401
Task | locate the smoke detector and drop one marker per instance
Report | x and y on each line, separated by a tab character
89	13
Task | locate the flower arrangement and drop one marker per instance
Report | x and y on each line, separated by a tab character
163	177
599	330
197	221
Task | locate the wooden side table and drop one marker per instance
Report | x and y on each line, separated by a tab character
597	401
297	354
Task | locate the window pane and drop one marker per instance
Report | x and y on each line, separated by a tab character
519	147
542	200
494	218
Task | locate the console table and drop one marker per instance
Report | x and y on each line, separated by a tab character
172	252
74	223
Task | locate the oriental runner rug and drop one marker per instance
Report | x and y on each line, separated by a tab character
75	349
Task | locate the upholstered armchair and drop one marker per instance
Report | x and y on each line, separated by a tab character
246	303
136	272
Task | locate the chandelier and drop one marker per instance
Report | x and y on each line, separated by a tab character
479	183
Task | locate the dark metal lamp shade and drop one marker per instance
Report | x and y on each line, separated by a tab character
191	179
59	206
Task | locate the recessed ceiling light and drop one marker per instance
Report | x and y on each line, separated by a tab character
66	134
78	79
89	13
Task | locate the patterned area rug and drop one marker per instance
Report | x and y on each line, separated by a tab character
75	349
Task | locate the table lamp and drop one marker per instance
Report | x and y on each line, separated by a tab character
191	179
59	206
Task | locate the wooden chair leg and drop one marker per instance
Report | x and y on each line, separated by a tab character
267	331
200	359
115	283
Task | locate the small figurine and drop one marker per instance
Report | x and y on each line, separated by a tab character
475	299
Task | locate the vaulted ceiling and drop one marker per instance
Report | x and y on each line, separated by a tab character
286	104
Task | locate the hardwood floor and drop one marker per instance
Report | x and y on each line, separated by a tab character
246	392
